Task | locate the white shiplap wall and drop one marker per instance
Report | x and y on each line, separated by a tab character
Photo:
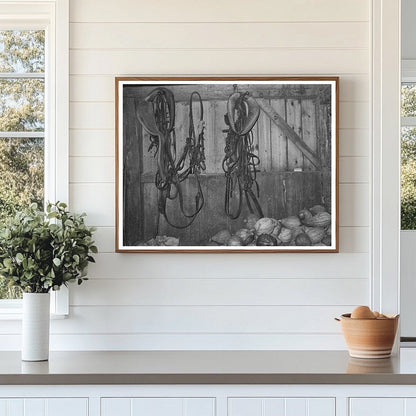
174	301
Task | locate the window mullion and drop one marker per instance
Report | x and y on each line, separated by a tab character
22	75
22	134
408	121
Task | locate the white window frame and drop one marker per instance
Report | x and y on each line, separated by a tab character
385	150
53	17
408	74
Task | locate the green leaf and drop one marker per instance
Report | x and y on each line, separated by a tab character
37	255
69	223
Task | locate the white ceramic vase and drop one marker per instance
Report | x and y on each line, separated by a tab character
35	326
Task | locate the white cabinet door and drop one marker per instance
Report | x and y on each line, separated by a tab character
44	407
146	406
254	406
382	407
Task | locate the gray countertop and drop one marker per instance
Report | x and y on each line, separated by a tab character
208	367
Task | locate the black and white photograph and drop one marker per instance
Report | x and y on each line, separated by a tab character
227	164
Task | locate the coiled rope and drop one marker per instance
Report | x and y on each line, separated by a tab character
240	162
171	173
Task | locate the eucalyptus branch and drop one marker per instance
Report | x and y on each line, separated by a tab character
43	251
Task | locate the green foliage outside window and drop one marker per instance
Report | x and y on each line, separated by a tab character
408	179
21	110
408	160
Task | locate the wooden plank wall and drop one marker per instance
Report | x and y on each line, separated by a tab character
167	301
283	190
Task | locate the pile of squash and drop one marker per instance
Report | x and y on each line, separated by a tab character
162	240
311	227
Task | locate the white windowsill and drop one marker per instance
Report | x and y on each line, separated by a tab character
10	315
11	309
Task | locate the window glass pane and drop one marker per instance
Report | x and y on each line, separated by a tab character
408	93
22	104
9	292
21	173
22	51
21	182
408	178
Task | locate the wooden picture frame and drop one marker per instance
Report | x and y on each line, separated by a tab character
227	164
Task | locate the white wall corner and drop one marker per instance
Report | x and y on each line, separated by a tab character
385	208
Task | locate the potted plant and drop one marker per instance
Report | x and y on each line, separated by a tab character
40	252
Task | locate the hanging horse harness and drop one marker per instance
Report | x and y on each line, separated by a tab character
240	163
157	116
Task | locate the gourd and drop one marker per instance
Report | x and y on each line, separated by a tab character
221	237
266	240
265	226
285	235
303	240
250	221
327	240
234	240
245	235
276	229
316	209
305	215
362	312
316	234
171	241
297	231
322	219
291	222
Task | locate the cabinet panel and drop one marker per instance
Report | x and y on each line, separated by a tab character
296	407
119	407
382	406
3	408
410	406
318	407
281	406
246	407
275	407
34	407
15	407
377	407
199	407
67	407
157	406
44	407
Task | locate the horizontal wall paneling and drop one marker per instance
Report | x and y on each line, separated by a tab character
218	11
220	291
173	301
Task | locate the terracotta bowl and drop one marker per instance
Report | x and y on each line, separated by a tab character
369	338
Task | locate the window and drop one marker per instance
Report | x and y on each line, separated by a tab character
408	155
33	111
22	124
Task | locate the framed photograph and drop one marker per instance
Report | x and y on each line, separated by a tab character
236	164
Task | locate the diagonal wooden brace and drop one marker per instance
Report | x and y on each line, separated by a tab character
289	132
